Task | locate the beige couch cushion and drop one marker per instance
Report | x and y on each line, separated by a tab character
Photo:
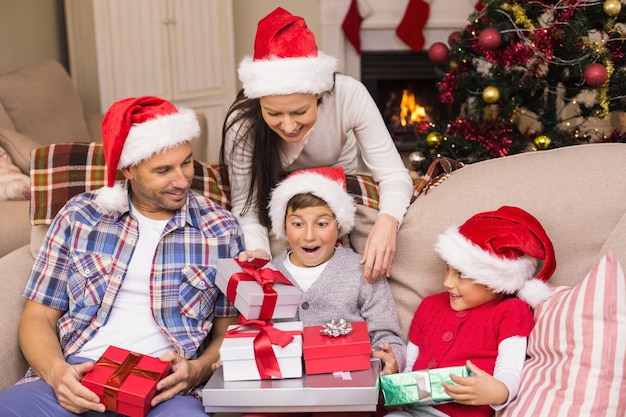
43	104
577	226
18	147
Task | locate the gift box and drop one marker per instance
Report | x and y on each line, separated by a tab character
260	350
405	388
126	381
338	392
327	354
439	375
421	387
257	289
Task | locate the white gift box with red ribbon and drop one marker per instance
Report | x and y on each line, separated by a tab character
260	350
257	289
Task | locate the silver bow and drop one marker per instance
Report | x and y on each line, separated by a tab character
336	328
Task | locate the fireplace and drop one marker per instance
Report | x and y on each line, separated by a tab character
389	60
391	75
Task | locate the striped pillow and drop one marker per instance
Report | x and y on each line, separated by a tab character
577	350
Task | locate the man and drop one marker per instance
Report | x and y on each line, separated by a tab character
131	266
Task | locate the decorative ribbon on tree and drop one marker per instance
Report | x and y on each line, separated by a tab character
411	27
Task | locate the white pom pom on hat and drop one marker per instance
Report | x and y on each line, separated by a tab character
286	59
500	249
327	183
134	129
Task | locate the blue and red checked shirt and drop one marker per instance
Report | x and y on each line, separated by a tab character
83	261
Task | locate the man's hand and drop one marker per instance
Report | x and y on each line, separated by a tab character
40	346
480	389
380	248
185	374
70	393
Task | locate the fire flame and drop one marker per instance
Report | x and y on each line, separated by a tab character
410	111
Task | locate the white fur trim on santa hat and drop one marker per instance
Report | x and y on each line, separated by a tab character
111	200
500	274
158	134
534	292
280	76
332	192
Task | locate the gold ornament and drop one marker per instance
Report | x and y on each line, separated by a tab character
433	139
612	7
491	94
542	142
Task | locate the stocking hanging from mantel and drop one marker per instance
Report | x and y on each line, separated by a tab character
352	25
411	27
358	10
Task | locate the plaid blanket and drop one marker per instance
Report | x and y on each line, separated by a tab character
60	171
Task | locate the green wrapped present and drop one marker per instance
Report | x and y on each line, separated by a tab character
439	375
406	388
419	387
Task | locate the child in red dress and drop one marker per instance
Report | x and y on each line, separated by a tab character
484	317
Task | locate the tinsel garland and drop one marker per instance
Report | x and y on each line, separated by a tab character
447	85
493	136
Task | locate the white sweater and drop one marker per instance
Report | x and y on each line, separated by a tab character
348	121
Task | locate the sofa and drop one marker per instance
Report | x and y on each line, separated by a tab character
577	352
39	105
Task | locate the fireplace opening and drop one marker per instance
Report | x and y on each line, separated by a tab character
395	78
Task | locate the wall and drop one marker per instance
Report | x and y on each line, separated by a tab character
248	12
31	31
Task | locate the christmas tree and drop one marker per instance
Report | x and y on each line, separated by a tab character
529	75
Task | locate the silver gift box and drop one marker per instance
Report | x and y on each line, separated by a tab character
342	391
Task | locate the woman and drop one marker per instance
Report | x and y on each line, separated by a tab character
294	112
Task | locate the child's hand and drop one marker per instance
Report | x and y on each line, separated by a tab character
388	358
480	389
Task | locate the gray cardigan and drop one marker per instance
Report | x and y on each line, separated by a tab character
340	292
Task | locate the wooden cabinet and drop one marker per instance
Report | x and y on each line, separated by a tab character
181	50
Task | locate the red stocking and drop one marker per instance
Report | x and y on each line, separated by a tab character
352	26
411	27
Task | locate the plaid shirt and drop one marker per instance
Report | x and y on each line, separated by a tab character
83	261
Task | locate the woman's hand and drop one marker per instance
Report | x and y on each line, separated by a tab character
252	254
380	248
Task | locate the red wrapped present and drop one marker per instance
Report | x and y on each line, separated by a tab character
326	354
126	381
257	289
258	350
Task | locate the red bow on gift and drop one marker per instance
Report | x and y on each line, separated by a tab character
122	371
266	277
267	335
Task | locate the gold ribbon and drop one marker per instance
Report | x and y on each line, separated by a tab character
122	371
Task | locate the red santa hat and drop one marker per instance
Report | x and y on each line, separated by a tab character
500	249
286	59
134	129
327	183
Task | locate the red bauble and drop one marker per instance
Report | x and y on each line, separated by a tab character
489	38
595	75
454	39
438	52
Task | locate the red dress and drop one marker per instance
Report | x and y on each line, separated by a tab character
449	338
